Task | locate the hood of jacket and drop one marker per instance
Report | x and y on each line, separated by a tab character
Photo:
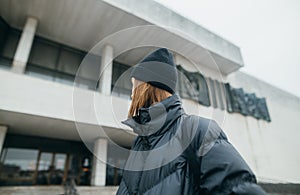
156	119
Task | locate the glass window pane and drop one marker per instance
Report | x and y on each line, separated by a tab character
85	176
121	83
10	45
60	160
45	161
91	70
44	169
40	72
3	154
88	76
18	166
69	61
57	173
5	63
44	54
113	174
23	158
4	29
74	165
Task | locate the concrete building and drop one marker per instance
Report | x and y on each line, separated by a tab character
43	44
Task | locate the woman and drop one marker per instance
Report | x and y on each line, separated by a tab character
175	153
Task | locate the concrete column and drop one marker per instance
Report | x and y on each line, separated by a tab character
106	70
3	130
24	46
99	162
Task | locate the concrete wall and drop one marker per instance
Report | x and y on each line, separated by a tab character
271	148
29	95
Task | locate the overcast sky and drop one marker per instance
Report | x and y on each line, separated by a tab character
267	31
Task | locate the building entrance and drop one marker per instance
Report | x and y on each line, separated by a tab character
31	163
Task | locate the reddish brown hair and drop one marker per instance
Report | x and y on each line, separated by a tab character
144	95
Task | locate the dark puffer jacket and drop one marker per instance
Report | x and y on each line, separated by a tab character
176	153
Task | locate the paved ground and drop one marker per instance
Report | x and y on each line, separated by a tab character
47	190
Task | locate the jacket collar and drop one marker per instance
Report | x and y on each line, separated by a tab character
157	118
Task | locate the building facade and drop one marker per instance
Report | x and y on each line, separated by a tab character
48	134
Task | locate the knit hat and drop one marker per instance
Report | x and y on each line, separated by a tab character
157	69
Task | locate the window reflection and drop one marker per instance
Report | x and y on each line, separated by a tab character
18	166
45	161
57	173
43	169
44	165
51	169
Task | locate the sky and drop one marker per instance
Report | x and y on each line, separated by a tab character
267	32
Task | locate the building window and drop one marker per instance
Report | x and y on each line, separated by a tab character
9	39
18	166
4	28
52	61
88	77
121	84
114	174
53	163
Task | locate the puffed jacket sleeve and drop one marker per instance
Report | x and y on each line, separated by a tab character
222	168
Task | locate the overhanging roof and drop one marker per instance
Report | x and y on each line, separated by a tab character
83	23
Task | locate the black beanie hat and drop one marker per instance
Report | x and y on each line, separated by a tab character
157	69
